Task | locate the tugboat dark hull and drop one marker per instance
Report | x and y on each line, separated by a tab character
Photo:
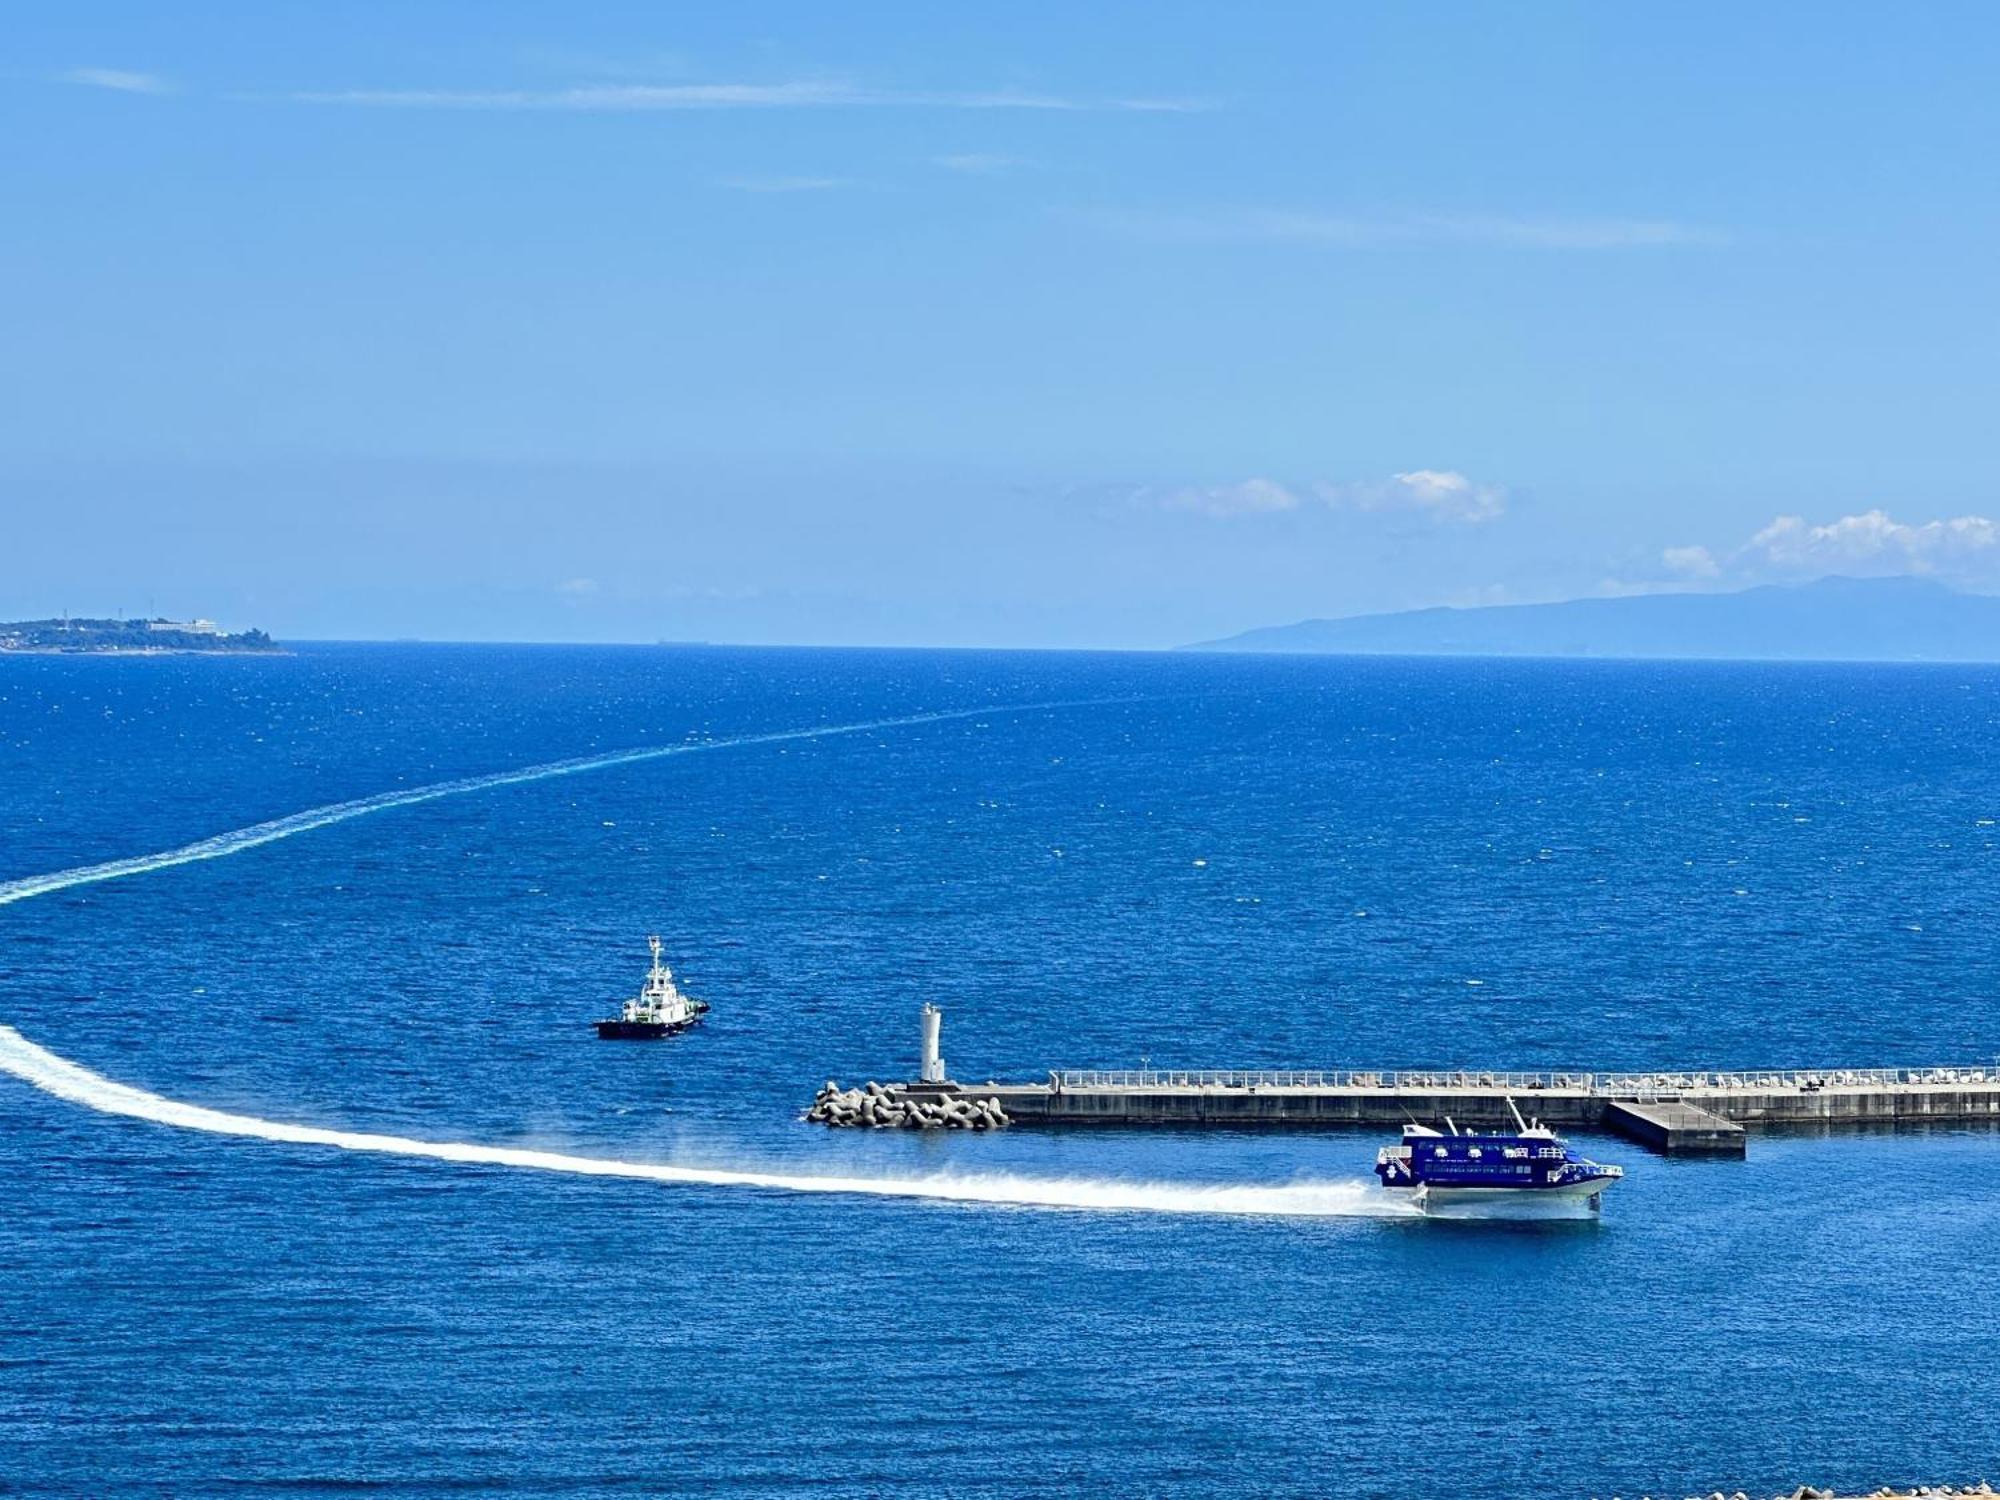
641	1031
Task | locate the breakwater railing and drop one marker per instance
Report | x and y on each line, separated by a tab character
1613	1084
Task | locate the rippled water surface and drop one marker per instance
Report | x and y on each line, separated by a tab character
1109	859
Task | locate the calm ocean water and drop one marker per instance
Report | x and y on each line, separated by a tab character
1192	860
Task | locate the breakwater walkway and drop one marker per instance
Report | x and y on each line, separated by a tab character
1701	1113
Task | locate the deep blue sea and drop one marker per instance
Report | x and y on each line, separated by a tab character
1183	859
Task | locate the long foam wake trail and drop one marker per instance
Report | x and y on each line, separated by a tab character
67	1080
257	834
78	1084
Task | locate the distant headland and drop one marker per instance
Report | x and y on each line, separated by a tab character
1835	619
129	637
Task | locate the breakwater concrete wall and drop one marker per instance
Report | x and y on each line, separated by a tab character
1676	1128
1705	1117
1700	1112
1252	1104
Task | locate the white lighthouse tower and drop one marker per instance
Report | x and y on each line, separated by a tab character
933	1060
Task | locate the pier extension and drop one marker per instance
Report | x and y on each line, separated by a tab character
1697	1112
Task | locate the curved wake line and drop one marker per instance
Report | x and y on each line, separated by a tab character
258	834
71	1081
79	1085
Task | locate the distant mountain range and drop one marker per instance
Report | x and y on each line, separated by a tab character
1835	619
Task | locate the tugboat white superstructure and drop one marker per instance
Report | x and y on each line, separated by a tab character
1531	1169
659	1010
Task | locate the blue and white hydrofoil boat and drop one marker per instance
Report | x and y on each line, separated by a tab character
1530	1170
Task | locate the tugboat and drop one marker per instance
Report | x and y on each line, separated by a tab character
660	1009
1530	1169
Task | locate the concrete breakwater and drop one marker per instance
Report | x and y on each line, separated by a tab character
1688	1114
873	1107
1680	1112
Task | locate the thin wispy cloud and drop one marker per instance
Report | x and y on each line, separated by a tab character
1165	106
1249	497
797	94
1574	234
1442	494
1692	562
119	80
977	163
785	184
1366	232
1438	494
648	64
608	97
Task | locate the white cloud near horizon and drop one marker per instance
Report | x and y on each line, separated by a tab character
1250	497
119	80
1377	232
799	94
1440	494
1870	543
1691	562
1875	541
1443	493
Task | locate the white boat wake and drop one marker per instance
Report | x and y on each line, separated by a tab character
258	834
77	1084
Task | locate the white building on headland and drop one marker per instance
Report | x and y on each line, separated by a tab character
186	627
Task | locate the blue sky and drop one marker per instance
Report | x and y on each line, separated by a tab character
1016	325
